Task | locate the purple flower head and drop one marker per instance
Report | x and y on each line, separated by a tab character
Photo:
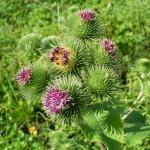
108	45
23	76
60	56
54	100
87	15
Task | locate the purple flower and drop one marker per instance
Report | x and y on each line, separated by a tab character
108	45
60	56
54	100
23	76
87	15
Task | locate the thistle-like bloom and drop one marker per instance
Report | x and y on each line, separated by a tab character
23	76
60	56
108	45
55	100
87	15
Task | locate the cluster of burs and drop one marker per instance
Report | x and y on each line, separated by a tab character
73	71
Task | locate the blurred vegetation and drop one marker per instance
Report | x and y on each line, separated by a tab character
22	123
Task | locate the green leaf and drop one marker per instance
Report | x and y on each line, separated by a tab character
110	121
136	133
108	115
135	117
92	130
100	106
135	129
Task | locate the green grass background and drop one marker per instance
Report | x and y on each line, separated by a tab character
127	22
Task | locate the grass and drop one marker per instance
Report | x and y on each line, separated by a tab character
22	124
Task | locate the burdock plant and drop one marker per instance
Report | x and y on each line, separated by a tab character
75	78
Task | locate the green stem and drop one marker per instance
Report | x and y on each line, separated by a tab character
137	103
102	146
